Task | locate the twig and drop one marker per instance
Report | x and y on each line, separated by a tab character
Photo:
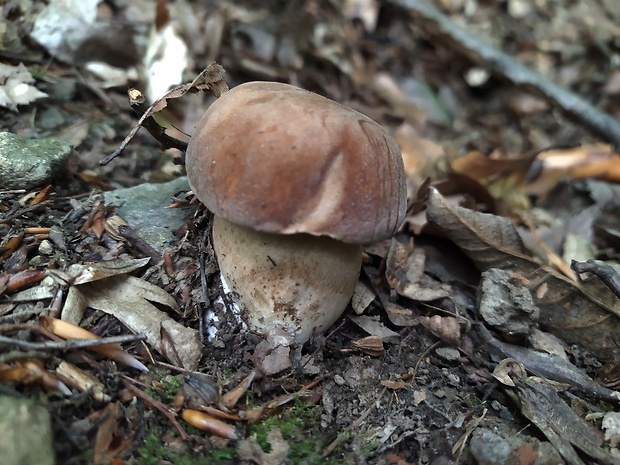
421	358
158	405
13	355
71	344
23	211
481	52
210	79
605	273
135	240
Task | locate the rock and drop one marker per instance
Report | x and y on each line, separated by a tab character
25	433
143	208
271	357
449	354
490	448
28	163
506	304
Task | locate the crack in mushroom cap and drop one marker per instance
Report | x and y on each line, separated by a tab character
280	159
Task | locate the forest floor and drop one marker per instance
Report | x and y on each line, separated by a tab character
525	180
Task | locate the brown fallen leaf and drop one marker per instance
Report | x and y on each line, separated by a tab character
20	280
10	246
230	399
446	328
397	314
394	385
405	273
111	442
504	177
129	299
211	79
41	196
105	286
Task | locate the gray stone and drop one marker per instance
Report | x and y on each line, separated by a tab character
28	163
143	208
505	303
492	448
449	354
25	433
51	117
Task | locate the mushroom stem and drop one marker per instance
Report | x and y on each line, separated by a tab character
286	285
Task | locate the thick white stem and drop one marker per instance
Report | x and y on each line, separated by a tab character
286	285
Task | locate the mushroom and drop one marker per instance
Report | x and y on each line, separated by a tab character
296	183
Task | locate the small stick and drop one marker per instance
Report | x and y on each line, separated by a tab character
605	273
502	64
158	405
71	344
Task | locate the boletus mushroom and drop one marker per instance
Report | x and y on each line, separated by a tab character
296	183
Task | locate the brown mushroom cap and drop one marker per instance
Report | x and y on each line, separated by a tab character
280	159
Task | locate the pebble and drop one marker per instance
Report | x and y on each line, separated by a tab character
46	247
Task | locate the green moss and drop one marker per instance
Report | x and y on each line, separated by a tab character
224	455
153	452
165	388
299	427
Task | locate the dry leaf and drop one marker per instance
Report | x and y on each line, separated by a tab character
446	328
504	177
584	313
566	430
405	273
81	274
111	442
397	314
373	326
394	385
74	307
362	297
507	367
105	286
230	399
129	299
